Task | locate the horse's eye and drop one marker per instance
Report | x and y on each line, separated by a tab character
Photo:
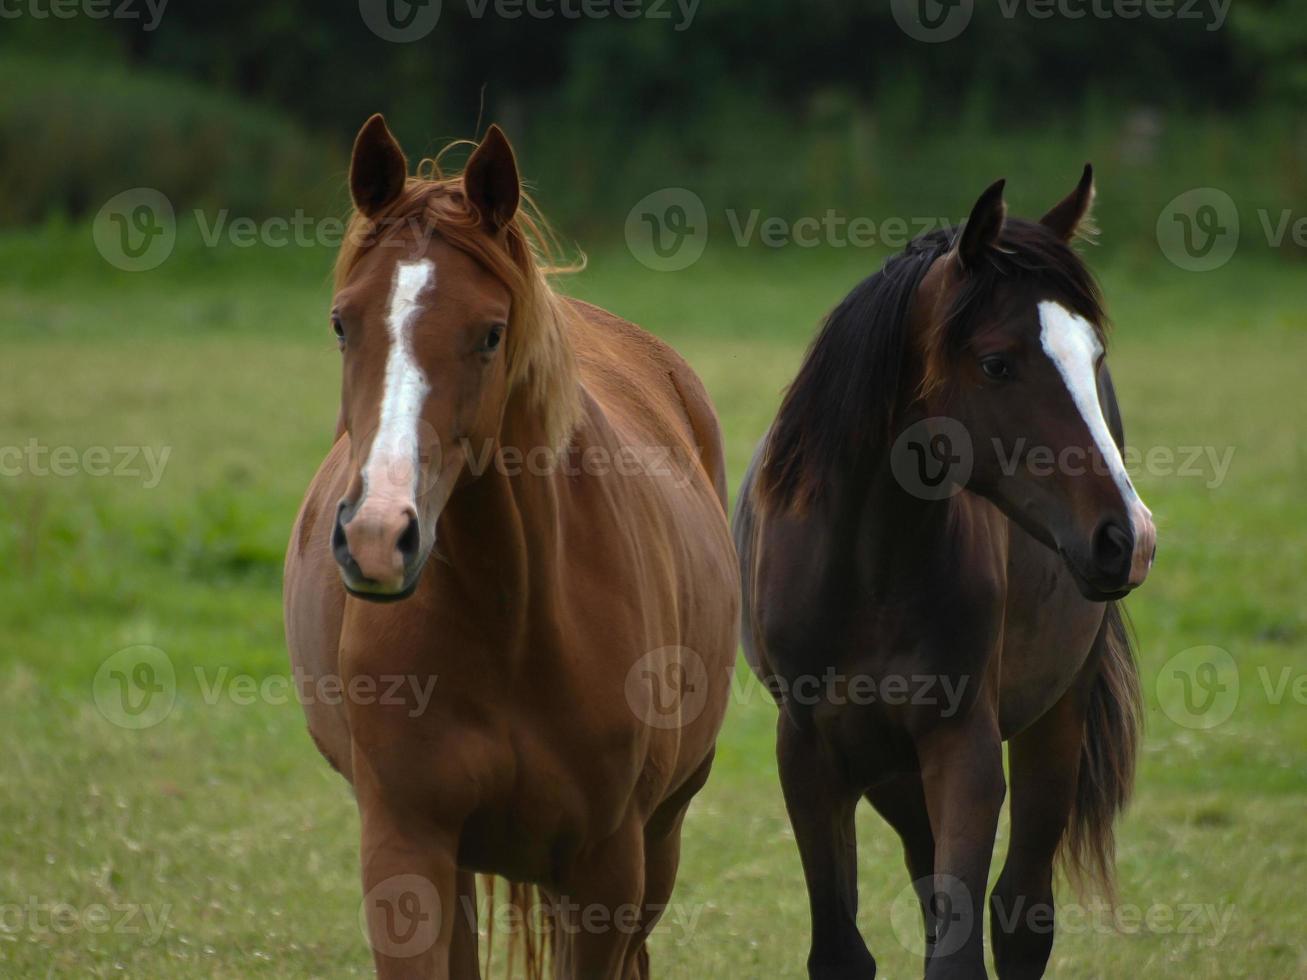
996	368
493	337
338	329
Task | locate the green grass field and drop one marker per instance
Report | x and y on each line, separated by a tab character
217	843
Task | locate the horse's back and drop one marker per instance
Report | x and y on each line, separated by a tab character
648	389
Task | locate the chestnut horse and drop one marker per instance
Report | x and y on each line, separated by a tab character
934	538
543	703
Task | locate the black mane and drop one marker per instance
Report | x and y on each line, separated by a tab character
841	407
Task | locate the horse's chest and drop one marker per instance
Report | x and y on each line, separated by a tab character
1049	630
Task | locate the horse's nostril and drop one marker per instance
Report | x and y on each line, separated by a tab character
409	540
1114	548
340	544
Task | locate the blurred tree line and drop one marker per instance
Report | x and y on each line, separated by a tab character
764	97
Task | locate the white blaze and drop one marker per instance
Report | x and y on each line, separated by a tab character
394	452
1072	344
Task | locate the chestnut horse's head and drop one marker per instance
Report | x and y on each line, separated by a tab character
1011	342
995	331
442	316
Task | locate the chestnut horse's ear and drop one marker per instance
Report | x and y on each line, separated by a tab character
1068	215
491	182
378	170
983	227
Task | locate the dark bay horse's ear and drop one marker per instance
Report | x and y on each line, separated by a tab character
491	182
983	227
1069	214
378	169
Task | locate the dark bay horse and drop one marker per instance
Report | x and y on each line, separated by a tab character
515	571
934	538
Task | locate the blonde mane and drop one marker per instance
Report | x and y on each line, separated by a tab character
522	256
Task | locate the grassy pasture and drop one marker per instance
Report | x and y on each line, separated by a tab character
217	843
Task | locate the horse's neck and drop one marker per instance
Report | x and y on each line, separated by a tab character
891	533
499	532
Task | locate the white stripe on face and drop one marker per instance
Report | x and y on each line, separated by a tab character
395	447
1072	344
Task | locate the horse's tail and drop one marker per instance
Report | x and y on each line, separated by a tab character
531	932
1108	753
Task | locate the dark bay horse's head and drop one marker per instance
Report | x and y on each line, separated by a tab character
1010	342
433	315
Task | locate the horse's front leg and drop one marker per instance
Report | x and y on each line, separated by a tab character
820	800
410	885
962	774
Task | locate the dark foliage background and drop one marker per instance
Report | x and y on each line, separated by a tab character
792	107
